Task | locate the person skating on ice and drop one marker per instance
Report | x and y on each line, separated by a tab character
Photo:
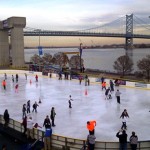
24	110
124	114
108	93
17	77
4	84
36	78
28	106
16	88
47	122
111	85
124	117
70	99
117	94
103	86
35	107
12	78
5	76
53	114
124	125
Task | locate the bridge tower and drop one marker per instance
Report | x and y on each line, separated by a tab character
129	32
12	26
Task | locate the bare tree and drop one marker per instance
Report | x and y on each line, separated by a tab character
47	58
60	59
36	59
75	61
123	65
144	65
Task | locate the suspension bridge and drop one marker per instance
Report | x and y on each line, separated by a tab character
128	27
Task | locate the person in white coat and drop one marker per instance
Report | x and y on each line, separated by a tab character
30	127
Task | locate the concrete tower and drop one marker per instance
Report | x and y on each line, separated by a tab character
14	27
4	46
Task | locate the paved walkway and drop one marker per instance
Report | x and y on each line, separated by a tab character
93	106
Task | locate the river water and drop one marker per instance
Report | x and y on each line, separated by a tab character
102	59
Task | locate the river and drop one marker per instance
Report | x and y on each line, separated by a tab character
102	59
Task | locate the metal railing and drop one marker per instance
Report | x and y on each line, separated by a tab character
66	143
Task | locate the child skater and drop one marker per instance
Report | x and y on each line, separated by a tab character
16	88
70	101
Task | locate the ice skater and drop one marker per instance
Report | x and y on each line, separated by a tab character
80	80
111	85
35	107
108	93
53	114
4	84
17	77
28	106
5	76
103	86
124	125
124	114
102	79
47	123
36	78
24	110
124	117
25	76
16	88
117	94
12	78
70	101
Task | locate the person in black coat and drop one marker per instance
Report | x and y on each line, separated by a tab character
53	114
28	106
6	118
47	123
122	139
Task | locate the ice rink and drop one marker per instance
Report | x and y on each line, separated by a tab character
93	106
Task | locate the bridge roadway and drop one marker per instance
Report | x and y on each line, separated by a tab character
93	106
86	34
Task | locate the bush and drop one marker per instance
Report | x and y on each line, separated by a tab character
139	74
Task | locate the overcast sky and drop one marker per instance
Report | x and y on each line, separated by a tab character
49	14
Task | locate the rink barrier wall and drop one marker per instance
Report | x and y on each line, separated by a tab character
92	79
57	142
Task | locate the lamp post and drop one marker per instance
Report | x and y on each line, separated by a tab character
80	50
39	38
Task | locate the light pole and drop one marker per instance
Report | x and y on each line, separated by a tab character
80	49
39	38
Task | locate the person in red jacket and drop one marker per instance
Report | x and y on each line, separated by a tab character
104	85
36	77
91	126
4	84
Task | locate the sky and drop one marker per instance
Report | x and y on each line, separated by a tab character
72	14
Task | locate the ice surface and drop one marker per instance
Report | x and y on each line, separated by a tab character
93	106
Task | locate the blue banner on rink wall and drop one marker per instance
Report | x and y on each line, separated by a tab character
141	85
98	80
40	50
122	82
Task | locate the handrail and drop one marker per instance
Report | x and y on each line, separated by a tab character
67	143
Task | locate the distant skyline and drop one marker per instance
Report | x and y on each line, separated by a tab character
72	14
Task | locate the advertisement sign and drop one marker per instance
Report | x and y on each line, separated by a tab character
98	79
40	50
141	85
